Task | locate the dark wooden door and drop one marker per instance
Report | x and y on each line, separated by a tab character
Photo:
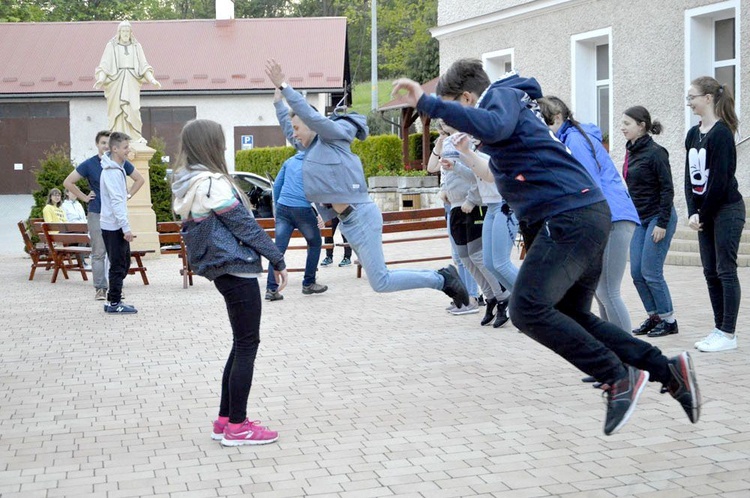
28	131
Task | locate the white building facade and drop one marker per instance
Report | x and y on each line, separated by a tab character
603	56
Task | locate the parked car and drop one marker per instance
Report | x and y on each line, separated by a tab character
260	191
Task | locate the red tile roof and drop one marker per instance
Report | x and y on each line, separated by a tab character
187	56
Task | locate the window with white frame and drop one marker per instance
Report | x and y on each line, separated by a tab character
712	35
591	56
496	64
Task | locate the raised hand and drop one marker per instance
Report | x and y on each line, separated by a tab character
275	73
413	90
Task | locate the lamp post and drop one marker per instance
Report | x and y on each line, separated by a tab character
374	53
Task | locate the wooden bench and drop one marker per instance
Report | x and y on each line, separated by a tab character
411	222
171	242
269	225
39	252
68	244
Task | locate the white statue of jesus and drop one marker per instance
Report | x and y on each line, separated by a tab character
121	72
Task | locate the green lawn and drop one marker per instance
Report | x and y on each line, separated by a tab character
362	95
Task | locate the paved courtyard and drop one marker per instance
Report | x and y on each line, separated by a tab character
373	395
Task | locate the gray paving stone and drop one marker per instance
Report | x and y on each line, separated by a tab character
373	395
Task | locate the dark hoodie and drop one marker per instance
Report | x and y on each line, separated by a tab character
534	172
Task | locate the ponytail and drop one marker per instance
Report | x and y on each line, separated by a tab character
550	106
723	100
641	115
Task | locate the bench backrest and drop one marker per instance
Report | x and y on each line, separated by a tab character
65	234
414	220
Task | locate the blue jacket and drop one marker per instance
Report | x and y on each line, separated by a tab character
288	188
332	173
534	172
604	173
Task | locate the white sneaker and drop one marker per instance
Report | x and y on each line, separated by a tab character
473	307
719	341
706	339
451	308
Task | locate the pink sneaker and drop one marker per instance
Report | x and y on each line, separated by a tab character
219	424
248	433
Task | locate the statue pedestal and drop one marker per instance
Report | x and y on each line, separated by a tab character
140	213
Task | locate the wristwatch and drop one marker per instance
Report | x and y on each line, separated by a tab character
283	85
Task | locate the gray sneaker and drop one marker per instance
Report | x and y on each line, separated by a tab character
273	295
471	308
314	288
101	295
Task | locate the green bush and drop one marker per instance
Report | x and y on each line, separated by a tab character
262	160
51	173
161	191
415	145
380	155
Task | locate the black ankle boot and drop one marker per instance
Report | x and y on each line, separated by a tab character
501	318
489	313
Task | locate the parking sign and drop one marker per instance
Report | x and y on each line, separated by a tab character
246	142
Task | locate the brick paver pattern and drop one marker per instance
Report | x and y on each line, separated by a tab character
372	394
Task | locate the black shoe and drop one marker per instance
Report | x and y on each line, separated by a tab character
453	286
481	301
588	379
647	325
664	328
622	398
489	312
683	386
501	318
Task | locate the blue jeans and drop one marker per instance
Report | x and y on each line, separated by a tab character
498	235
363	228
719	242
463	272
304	220
551	302
647	265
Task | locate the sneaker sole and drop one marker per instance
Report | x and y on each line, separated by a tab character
719	350
468	312
217	437
247	442
688	370
639	389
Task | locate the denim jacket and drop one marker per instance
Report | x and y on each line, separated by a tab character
221	235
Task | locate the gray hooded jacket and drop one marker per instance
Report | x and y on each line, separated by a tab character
332	173
114	193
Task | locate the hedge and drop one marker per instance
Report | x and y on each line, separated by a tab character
262	160
415	145
380	155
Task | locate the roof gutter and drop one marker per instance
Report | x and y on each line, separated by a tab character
158	93
529	9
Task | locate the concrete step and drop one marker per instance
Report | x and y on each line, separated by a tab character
682	245
684	233
680	258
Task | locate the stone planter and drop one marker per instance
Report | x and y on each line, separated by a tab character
417	181
382	181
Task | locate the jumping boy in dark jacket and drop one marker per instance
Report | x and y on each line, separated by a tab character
565	222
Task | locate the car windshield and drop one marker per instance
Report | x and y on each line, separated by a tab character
246	184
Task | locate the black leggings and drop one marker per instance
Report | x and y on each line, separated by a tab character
242	296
